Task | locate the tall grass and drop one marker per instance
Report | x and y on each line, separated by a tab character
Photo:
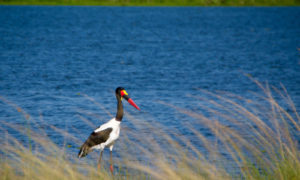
255	138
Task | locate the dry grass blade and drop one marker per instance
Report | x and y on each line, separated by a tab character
250	140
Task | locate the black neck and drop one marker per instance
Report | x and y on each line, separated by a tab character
119	115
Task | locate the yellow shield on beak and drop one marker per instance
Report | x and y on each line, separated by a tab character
123	92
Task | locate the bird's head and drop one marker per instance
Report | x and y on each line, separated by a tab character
121	93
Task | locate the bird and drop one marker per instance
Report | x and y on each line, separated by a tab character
106	134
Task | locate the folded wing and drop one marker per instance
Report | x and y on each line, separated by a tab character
94	139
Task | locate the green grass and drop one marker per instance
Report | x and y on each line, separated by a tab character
156	2
260	140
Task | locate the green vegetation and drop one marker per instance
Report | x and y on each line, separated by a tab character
156	2
252	140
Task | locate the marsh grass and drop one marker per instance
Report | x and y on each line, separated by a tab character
255	138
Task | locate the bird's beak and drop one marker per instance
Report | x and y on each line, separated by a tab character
130	101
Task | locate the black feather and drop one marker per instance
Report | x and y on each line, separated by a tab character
94	139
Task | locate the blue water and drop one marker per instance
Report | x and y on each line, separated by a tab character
50	57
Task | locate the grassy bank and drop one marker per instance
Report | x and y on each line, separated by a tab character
249	140
155	2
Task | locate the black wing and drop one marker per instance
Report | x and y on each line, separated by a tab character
98	137
94	139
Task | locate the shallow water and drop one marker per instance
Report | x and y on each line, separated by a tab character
50	57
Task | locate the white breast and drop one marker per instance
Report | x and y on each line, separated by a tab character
113	136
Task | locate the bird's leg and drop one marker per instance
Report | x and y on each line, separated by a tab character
99	161
111	164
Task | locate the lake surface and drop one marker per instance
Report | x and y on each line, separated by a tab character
51	57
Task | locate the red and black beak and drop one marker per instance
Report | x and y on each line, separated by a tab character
125	96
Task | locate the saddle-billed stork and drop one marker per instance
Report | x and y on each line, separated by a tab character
108	133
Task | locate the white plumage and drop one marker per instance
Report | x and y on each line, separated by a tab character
113	136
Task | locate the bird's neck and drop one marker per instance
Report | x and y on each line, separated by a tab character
120	112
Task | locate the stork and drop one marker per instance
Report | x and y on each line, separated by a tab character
106	135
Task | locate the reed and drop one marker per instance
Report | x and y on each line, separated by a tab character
250	139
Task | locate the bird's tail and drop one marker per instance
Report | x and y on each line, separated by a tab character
84	150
